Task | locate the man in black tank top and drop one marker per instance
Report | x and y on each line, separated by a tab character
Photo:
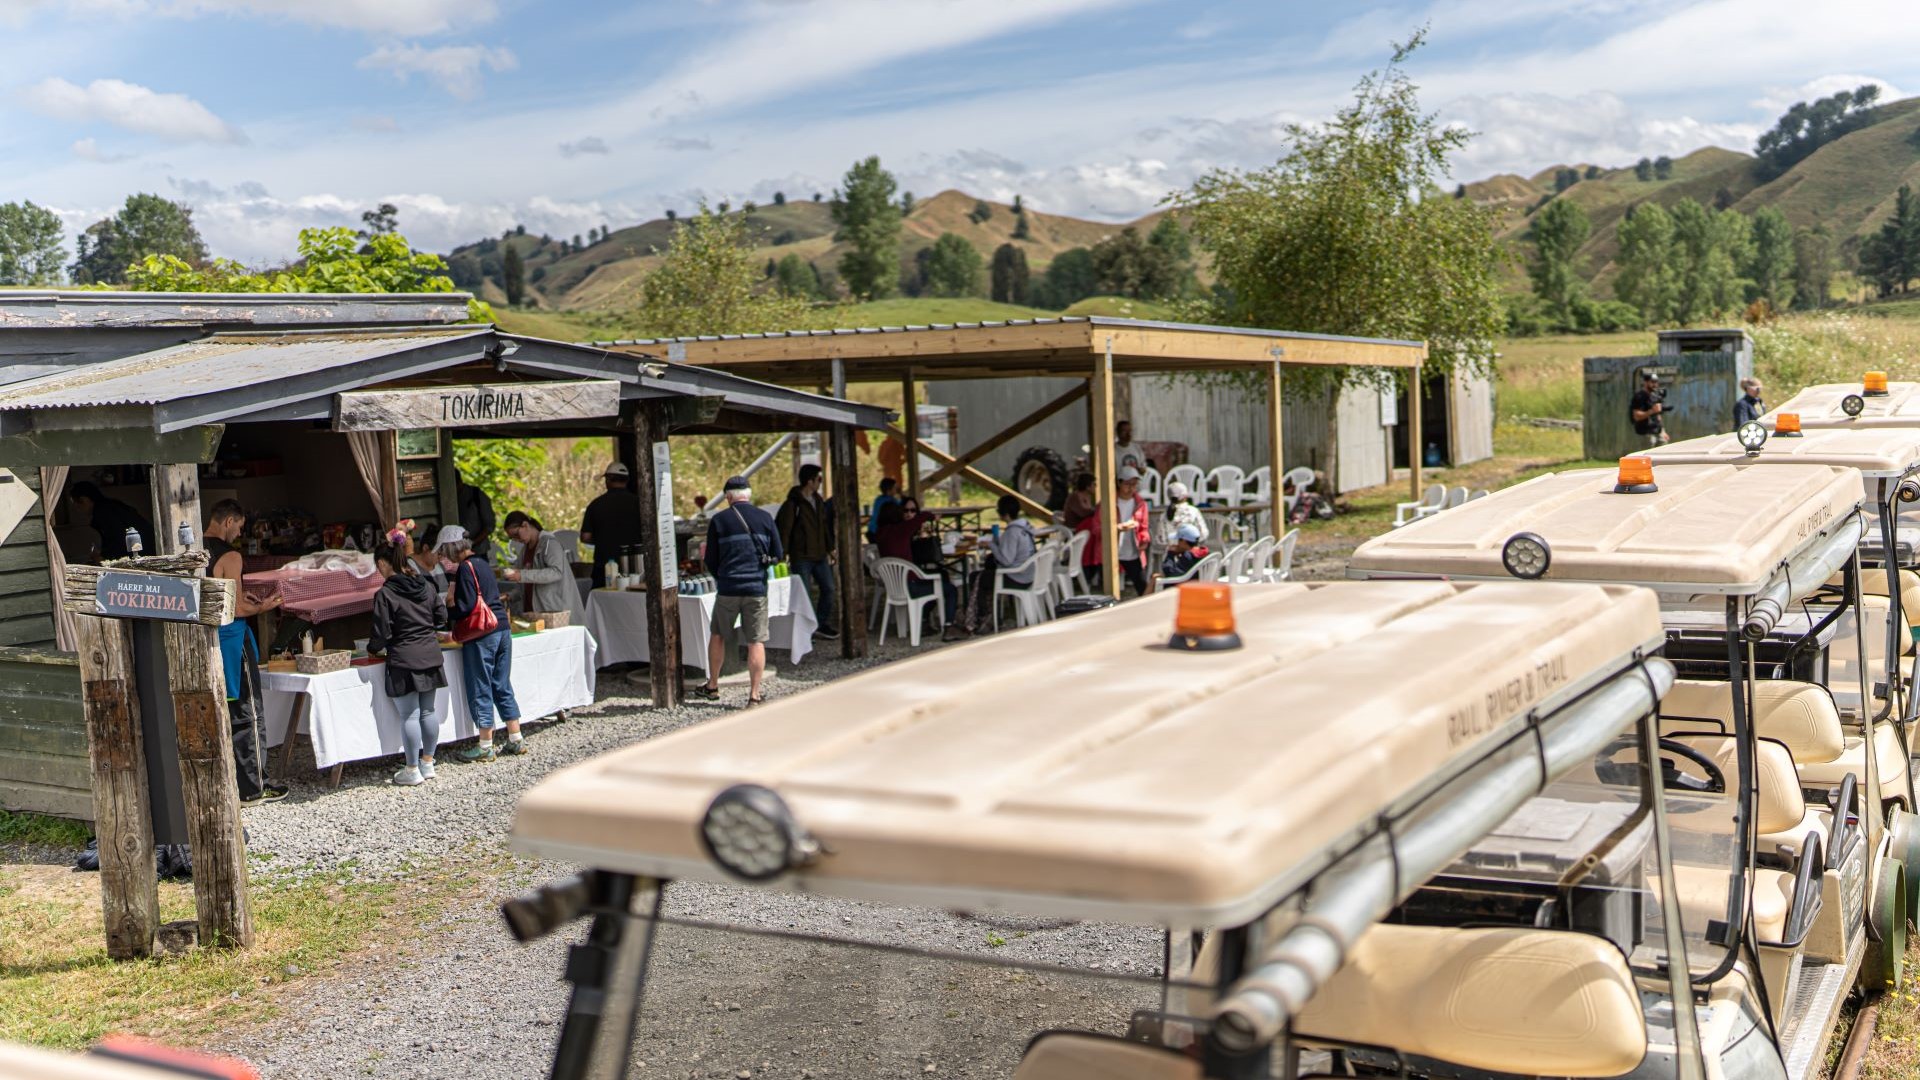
239	655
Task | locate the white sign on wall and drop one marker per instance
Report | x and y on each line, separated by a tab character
16	501
663	510
1389	407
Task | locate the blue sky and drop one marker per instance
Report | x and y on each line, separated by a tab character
473	115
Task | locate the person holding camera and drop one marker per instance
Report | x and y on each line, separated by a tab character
1649	402
742	542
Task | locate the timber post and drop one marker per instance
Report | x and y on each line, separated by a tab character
129	895
852	615
653	485
207	783
176	499
910	421
1276	453
1101	436
1416	442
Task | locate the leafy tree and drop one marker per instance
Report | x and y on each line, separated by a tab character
794	277
380	220
1018	206
1069	279
1710	247
1649	276
749	206
1643	169
709	283
779	198
672	214
1126	265
906	202
1815	262
514	276
519	230
1565	178
578	244
1348	233
1011	279
1021	230
1771	264
953	267
982	210
1172	241
816	196
1890	258
1663	168
724	206
1723	199
31	248
1557	233
1807	127
1593	172
606	231
868	219
146	225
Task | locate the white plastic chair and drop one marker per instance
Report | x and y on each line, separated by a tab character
1456	497
1032	603
877	607
1257	488
1480	494
1233	567
1072	576
1207	569
1431	501
1152	486
894	574
1259	566
1224	482
1283	570
1301	478
1191	476
569	543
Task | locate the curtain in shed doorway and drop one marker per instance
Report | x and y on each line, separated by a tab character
372	453
53	482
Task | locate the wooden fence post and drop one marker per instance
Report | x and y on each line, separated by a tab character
129	895
207	783
666	680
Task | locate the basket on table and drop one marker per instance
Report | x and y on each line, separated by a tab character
319	663
554	620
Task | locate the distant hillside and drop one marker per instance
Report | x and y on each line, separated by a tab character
604	276
1848	186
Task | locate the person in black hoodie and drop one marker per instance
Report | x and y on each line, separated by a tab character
407	618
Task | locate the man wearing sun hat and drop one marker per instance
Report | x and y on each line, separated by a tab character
612	521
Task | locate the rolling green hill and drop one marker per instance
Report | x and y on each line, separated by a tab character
1847	186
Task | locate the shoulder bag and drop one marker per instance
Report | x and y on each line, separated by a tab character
479	622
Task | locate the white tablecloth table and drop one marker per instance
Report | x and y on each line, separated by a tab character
349	716
618	622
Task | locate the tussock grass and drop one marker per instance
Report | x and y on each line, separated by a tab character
42	831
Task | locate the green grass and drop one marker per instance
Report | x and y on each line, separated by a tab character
922	310
1120	307
1541	376
43	831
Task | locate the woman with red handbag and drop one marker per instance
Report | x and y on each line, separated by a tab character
479	619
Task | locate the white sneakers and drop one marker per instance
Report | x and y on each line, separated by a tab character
426	769
409	777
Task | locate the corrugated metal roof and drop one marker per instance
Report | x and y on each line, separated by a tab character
219	362
1094	320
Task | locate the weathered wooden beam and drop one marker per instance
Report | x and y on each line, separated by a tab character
122	820
852	616
468	405
1015	430
1101	436
146	594
110	446
1416	441
1276	455
973	474
176	501
207	785
910	420
653	486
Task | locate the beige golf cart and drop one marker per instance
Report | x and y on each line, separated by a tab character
1277	777
1871	402
117	1059
1741	559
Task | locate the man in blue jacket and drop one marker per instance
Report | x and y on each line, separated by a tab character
742	541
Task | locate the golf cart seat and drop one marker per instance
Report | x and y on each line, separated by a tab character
1782	816
1874	583
1802	716
1505	999
1087	1055
1703	898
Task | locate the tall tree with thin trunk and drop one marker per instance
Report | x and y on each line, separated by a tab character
711	282
31	252
146	225
1557	233
1816	261
1771	264
1649	277
869	220
514	275
1011	277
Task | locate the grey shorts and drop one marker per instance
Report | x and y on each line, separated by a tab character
749	611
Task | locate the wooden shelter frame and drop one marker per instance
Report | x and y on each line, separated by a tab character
1092	349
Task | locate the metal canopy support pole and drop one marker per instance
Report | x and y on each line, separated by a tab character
910	420
1416	442
666	680
1103	470
1276	452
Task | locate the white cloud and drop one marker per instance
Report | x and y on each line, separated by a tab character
89	150
684	143
375	122
592	144
1524	133
403	18
455	67
1778	99
132	107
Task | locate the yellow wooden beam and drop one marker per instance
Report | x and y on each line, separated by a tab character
1045	515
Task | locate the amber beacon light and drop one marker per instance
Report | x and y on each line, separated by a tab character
1204	620
1786	423
1635	477
1874	383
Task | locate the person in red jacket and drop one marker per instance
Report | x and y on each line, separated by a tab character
1131	512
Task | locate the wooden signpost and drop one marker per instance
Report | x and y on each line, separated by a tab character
476	405
103	600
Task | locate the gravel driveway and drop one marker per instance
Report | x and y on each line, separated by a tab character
462	1001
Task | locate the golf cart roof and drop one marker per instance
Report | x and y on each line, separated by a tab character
1081	768
1876	451
1709	529
1819	407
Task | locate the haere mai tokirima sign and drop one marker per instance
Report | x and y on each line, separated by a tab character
475	405
148	596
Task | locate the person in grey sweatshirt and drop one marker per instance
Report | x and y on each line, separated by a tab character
543	568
